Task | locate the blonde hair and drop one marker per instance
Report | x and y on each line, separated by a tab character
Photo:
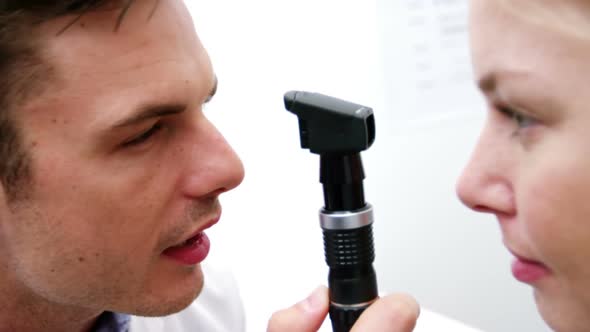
571	17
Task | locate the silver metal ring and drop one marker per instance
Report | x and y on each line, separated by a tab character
340	220
353	306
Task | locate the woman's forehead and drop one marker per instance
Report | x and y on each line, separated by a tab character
503	33
571	17
528	62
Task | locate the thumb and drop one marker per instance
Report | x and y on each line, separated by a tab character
305	316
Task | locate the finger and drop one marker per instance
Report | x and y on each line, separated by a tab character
305	316
393	313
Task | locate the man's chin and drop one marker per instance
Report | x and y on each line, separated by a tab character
165	307
177	299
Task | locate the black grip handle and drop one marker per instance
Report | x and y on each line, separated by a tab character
352	278
344	318
350	255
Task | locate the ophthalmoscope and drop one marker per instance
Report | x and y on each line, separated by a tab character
338	131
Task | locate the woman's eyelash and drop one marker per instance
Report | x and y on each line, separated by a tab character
144	136
521	120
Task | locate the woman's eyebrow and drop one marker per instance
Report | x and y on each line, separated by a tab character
488	82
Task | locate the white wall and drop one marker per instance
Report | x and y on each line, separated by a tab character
382	54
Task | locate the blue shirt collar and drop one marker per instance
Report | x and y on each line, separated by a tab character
112	322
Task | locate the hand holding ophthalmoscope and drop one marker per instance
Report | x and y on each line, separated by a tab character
338	131
391	313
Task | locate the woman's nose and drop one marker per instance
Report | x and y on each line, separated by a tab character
485	184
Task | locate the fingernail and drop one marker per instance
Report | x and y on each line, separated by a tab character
314	301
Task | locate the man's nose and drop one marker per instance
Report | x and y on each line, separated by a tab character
214	167
485	184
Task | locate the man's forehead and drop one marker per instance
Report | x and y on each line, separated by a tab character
92	47
145	60
109	17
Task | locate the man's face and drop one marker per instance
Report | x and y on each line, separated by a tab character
531	167
114	187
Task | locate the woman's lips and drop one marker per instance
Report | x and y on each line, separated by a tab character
528	271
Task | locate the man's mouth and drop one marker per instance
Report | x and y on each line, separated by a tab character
191	252
191	241
194	249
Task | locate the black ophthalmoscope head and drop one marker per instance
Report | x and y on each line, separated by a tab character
328	125
338	131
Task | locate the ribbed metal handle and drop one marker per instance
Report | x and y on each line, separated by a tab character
349	247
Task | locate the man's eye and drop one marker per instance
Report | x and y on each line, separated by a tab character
144	137
521	120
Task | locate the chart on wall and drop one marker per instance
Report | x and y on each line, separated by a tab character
426	63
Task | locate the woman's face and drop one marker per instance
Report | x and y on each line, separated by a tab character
531	166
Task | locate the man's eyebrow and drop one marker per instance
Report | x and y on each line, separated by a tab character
157	110
149	112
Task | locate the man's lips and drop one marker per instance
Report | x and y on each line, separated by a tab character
192	252
194	249
199	230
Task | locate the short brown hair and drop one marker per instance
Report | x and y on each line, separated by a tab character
24	73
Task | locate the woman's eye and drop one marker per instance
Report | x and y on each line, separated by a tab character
521	120
145	136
